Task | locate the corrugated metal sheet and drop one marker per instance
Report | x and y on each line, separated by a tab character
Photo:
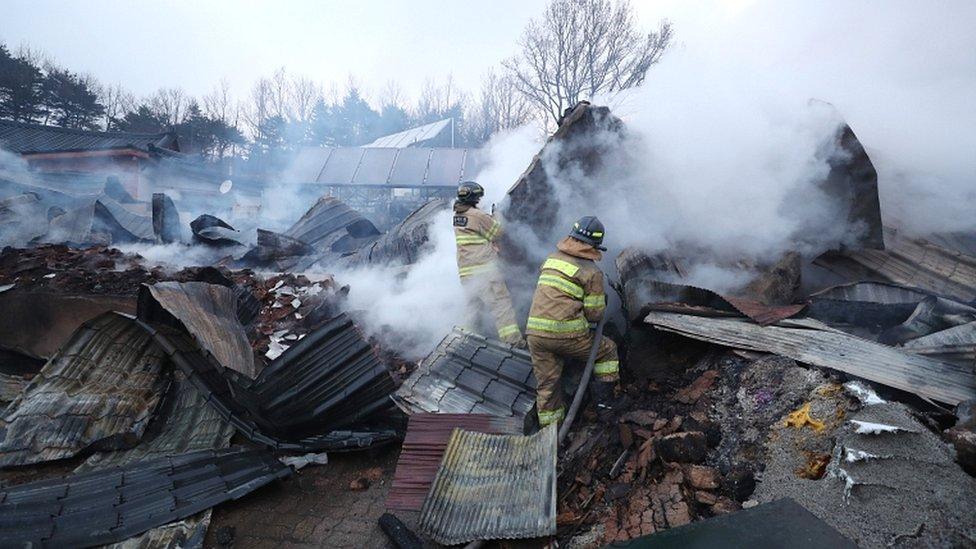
423	448
909	262
34	138
328	216
830	349
331	384
184	423
493	487
470	374
11	385
208	312
100	220
99	390
114	504
403	244
872	292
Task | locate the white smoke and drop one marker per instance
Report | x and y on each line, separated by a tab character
412	310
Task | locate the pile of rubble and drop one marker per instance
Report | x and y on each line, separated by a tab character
137	398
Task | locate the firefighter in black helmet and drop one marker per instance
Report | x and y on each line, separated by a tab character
568	297
475	233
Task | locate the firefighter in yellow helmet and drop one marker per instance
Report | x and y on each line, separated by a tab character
568	297
475	233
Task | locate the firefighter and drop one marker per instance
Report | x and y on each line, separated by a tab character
568	297
476	233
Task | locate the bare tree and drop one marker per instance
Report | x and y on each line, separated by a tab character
500	106
170	104
219	104
581	48
392	94
304	93
117	101
437	101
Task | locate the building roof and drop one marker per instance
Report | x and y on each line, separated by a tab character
24	138
412	137
393	167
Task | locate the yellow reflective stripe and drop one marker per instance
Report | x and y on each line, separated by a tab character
595	301
560	283
606	367
466	240
557	326
564	267
547	417
496	227
508	331
474	269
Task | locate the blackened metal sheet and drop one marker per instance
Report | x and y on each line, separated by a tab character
423	448
872	292
326	217
114	504
185	422
11	385
324	389
829	348
208	312
99	390
470	374
909	262
493	487
248	306
781	523
404	243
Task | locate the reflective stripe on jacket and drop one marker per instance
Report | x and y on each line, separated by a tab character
474	233
569	294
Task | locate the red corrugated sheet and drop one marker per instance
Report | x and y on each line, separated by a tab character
423	448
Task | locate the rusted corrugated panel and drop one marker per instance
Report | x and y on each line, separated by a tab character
493	487
470	374
11	386
206	311
830	349
185	422
910	262
99	390
111	505
423	448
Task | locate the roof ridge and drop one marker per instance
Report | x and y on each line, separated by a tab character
77	131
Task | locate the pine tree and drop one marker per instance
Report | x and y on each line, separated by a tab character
20	88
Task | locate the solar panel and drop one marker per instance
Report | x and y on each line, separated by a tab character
445	167
341	166
375	167
410	167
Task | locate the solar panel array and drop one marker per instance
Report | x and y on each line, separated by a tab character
360	166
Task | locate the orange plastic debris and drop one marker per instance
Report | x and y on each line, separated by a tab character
801	417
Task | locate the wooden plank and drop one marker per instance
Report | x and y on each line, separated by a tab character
830	349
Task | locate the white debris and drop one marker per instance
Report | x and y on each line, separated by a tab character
299	462
51	275
275	348
277	305
298	316
278	285
296	303
291	337
852	455
314	289
5	287
865	394
285	290
868	428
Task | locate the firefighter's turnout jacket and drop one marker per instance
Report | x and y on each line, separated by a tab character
568	297
475	233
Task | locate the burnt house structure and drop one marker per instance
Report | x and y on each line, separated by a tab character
69	154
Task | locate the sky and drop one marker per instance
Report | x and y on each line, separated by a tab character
149	45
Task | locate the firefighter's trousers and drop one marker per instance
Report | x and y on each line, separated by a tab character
489	291
548	355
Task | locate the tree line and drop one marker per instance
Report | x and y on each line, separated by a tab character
577	49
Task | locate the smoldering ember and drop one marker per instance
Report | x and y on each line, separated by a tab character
706	283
